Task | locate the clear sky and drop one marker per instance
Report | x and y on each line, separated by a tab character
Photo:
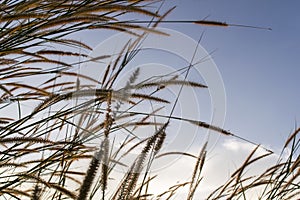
260	72
259	69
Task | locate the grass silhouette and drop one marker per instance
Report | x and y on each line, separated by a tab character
41	149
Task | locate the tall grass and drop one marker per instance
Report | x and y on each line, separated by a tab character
57	142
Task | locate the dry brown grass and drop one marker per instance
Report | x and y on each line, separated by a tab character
71	124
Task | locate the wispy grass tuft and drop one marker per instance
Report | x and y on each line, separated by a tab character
59	135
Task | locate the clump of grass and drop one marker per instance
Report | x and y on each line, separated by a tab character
279	181
64	147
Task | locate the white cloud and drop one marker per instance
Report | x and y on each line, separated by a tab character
220	164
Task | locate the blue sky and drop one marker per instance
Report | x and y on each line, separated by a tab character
260	72
259	68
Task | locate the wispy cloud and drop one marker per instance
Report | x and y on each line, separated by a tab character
226	158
